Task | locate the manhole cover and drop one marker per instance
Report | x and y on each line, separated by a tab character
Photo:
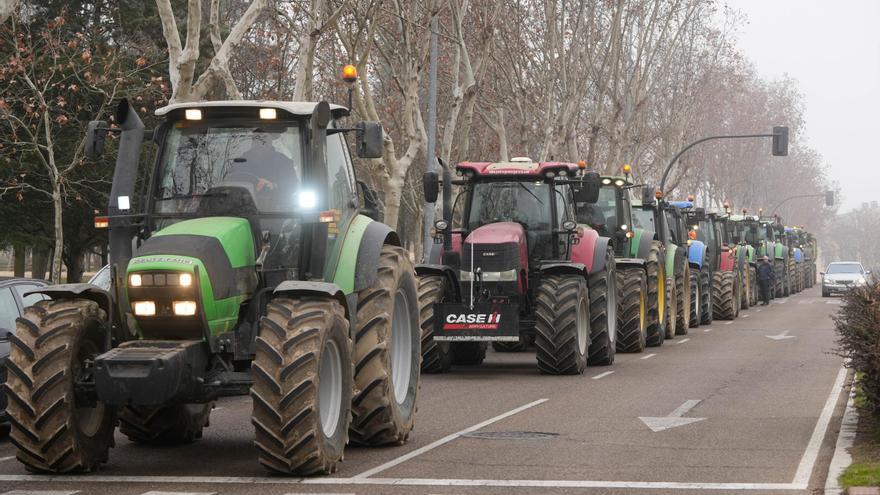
511	435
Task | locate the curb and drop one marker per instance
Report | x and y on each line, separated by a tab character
845	439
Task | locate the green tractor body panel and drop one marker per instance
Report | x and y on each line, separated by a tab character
344	258
635	242
218	305
670	259
779	251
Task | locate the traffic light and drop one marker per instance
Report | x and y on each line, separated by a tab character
780	141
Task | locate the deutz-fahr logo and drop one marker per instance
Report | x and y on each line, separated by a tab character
489	254
472	321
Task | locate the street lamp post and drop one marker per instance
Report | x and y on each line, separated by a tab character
780	147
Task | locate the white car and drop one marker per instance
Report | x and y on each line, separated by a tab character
842	276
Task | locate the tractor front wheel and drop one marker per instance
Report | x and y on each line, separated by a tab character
631	329
436	357
656	295
164	425
696	298
603	313
683	290
705	297
302	385
387	353
562	324
53	348
672	308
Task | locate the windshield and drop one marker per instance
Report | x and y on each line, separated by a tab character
844	268
602	215
248	167
527	203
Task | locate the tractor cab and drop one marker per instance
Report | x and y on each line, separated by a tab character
612	213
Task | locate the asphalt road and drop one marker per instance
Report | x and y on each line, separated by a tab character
734	410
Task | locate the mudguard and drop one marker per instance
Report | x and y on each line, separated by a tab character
326	289
78	291
640	244
599	251
779	251
629	262
444	271
562	268
697	254
375	236
672	251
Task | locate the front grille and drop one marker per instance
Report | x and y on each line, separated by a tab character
491	257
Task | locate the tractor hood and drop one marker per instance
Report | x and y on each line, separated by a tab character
496	247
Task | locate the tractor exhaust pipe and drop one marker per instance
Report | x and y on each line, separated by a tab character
124	179
447	205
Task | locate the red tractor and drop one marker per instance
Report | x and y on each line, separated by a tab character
513	267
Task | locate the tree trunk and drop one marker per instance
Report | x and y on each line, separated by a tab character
39	262
74	265
19	256
57	204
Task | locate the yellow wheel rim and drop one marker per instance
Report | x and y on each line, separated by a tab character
642	311
661	295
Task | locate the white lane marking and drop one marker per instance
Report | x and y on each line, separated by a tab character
682	341
746	316
805	468
648	356
674	419
41	492
448	438
707	330
668	485
728	323
845	440
153	492
7	458
781	336
602	375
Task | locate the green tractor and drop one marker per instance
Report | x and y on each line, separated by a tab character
243	266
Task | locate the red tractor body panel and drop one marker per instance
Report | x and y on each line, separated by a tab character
728	259
583	251
514	168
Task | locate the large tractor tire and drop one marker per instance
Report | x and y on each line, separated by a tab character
753	280
745	288
468	353
302	385
387	353
696	302
53	430
725	296
672	308
706	315
657	302
603	313
562	324
436	356
632	331
164	425
683	291
795	275
779	271
521	346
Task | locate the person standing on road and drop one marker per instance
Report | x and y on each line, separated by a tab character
765	278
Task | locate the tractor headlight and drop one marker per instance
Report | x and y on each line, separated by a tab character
135	280
145	308
186	279
307	200
184	308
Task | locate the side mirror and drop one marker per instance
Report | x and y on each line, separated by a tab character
371	206
431	184
370	140
647	195
587	191
699	215
96	134
780	141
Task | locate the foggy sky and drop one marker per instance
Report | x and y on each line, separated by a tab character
833	50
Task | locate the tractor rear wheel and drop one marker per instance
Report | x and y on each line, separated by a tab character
387	352
705	297
672	309
656	270
562	324
435	355
302	385
745	289
53	429
164	425
631	328
696	301
724	302
683	289
753	278
793	276
468	353
779	271
603	313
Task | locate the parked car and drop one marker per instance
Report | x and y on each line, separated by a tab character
841	276
12	303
